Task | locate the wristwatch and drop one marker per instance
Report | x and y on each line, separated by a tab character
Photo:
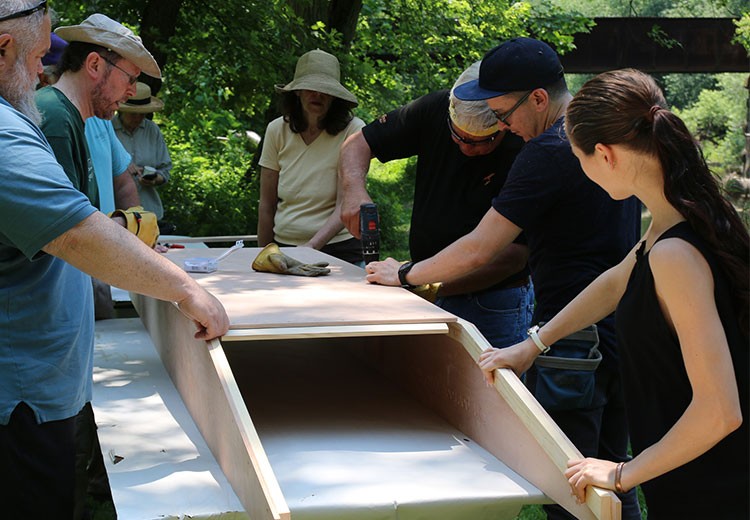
403	270
533	333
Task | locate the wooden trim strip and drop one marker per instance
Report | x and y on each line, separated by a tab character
347	331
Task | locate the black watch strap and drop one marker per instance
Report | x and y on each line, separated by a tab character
402	272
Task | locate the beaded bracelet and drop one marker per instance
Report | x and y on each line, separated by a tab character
618	476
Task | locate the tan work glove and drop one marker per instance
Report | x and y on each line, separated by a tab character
272	260
140	222
428	291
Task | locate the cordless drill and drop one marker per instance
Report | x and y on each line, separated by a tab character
369	228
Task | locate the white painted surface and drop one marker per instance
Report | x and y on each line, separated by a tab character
167	471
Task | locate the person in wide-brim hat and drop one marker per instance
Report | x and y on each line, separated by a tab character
142	102
299	160
99	29
318	71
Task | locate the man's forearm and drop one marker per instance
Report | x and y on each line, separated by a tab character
354	163
509	262
99	247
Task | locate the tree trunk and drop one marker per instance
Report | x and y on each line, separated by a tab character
341	15
158	25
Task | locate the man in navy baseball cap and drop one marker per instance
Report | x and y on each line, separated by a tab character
516	65
524	75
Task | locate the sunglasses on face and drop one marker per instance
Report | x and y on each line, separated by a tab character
503	116
27	12
470	142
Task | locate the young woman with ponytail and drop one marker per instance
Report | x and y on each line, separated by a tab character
681	298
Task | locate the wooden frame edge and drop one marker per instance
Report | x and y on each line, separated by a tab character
604	504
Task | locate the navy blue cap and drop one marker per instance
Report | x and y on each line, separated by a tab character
515	65
56	48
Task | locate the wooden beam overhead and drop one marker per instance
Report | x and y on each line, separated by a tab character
658	45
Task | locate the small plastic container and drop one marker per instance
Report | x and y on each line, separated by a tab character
200	265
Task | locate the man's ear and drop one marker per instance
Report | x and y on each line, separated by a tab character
94	65
7	50
540	98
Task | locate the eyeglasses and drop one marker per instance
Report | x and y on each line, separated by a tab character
503	116
27	12
131	78
469	142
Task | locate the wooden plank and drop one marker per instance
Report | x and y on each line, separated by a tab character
602	503
268	300
202	375
351	331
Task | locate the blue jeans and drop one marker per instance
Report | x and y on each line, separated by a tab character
600	431
502	315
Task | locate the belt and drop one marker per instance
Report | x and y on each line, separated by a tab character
523	282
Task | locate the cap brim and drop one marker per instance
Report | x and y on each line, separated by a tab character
471	91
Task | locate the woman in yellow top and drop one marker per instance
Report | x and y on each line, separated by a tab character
299	161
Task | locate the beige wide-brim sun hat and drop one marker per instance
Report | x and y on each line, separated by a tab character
319	71
102	30
142	102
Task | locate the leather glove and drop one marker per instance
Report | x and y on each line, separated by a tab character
428	291
272	260
140	222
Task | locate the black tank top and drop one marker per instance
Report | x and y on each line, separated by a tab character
657	392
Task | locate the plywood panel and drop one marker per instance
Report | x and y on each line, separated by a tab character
265	300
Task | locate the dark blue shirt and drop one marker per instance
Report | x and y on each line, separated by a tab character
575	231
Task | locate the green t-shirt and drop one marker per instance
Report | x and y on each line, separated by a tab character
64	129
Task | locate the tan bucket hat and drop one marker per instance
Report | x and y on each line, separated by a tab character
102	30
142	102
319	71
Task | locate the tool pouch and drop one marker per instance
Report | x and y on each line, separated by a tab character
566	374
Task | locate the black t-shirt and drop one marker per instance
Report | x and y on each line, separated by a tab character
658	390
452	191
574	229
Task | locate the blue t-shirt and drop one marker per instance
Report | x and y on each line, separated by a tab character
46	305
574	229
109	157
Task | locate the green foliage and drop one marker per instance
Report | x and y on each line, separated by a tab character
717	123
683	89
208	193
391	186
394	59
743	31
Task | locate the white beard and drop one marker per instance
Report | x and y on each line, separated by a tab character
18	90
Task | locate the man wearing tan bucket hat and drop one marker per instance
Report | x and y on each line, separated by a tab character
142	138
298	181
98	70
